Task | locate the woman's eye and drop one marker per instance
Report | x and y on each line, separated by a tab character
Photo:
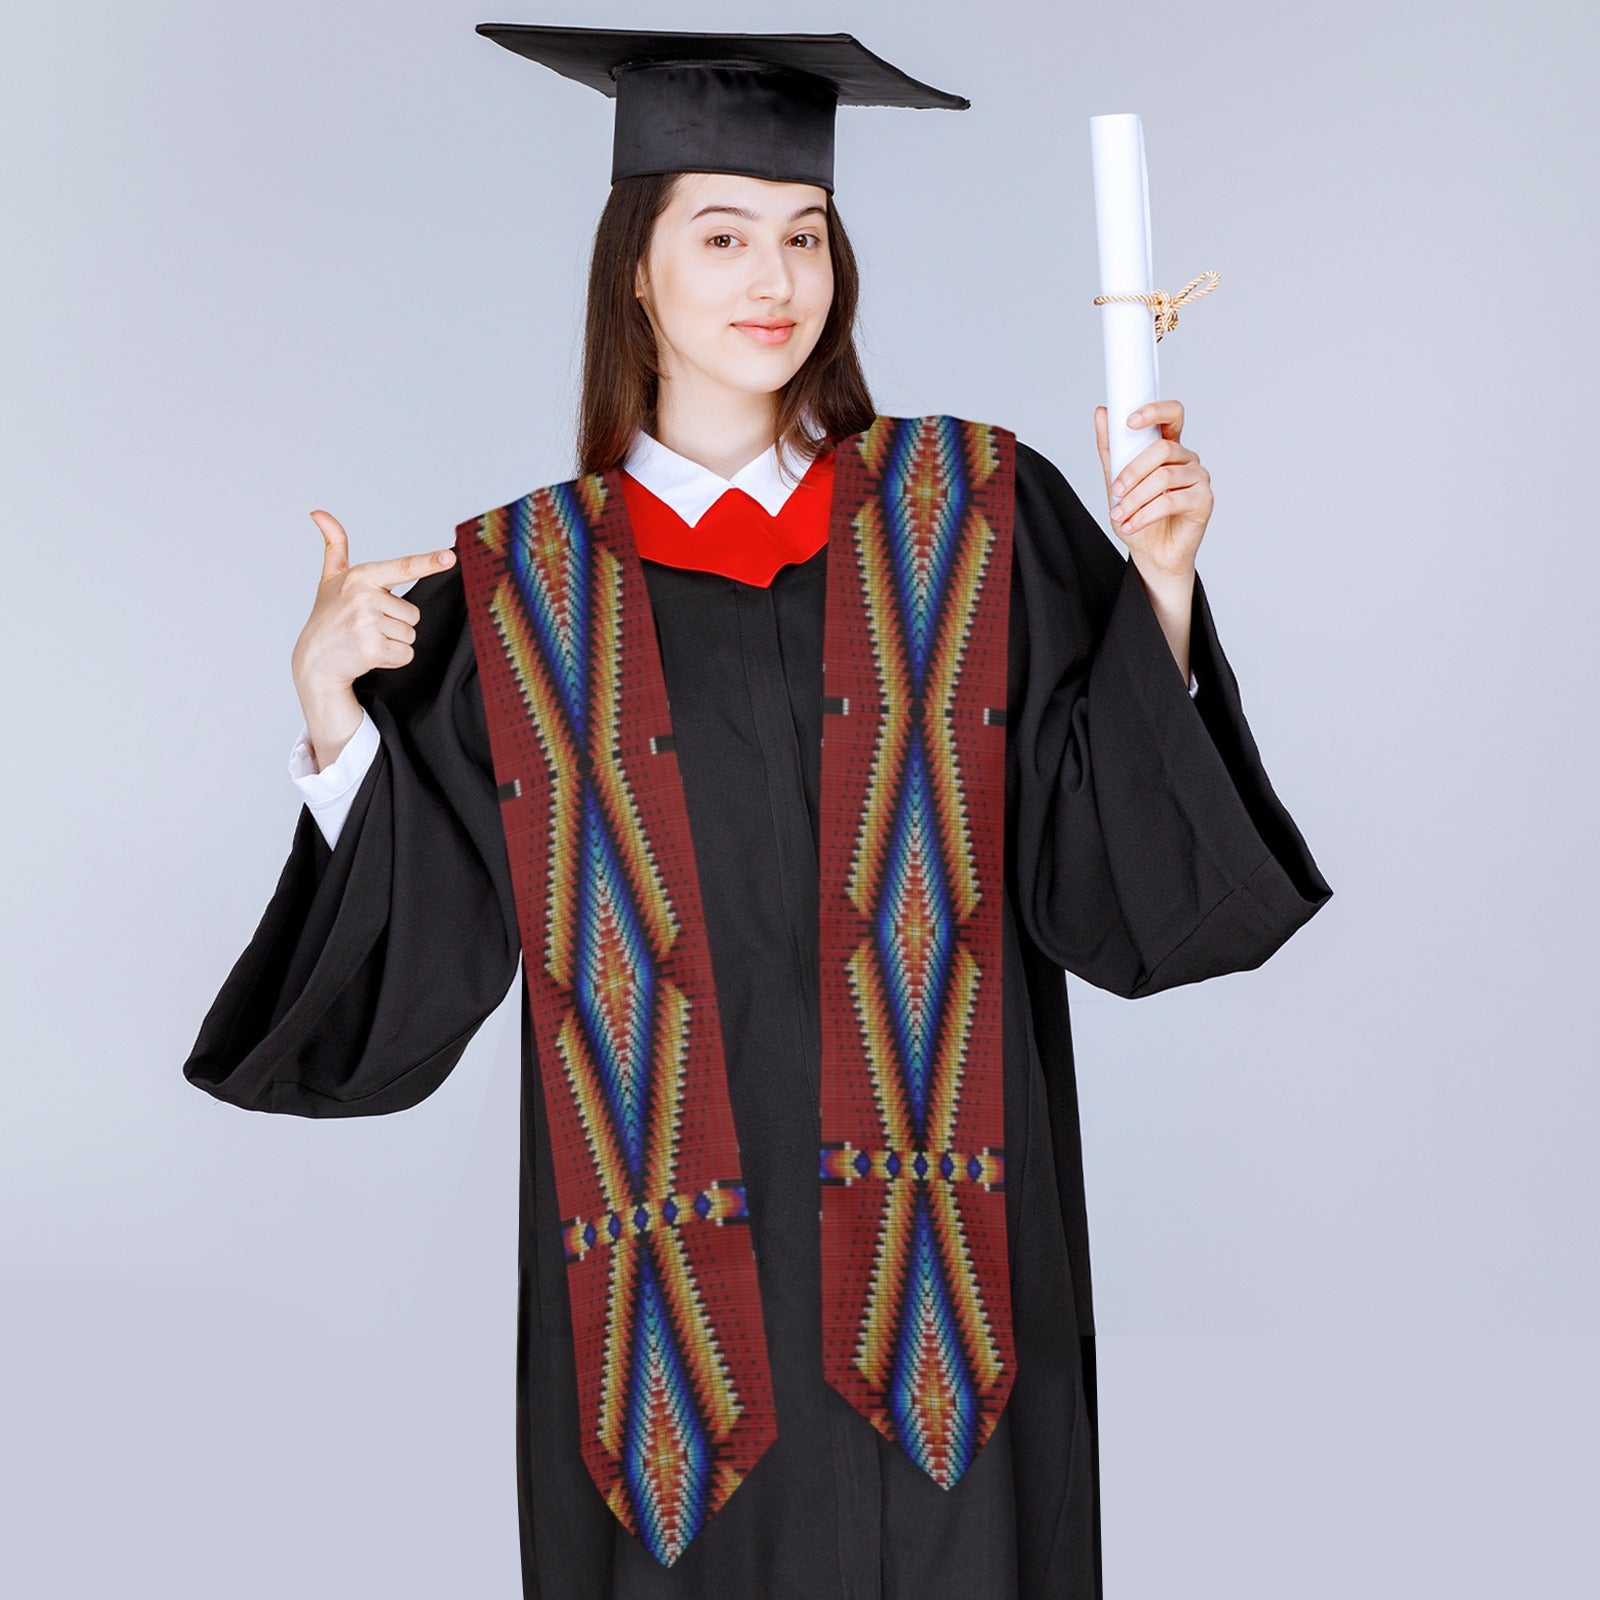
816	238
714	237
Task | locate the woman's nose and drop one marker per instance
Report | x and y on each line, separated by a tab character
772	277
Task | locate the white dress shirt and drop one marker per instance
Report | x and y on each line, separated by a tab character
689	488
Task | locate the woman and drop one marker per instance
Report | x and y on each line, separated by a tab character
798	750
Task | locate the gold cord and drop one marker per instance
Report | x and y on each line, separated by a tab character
1163	304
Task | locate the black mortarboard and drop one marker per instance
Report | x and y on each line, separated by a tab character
760	104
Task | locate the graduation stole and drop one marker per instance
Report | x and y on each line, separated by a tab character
675	1393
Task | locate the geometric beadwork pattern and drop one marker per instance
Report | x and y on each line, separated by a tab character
674	1389
915	1270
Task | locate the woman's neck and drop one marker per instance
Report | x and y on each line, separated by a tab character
720	428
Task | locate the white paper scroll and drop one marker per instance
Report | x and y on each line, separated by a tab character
1122	228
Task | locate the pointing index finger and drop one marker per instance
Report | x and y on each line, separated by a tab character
402	569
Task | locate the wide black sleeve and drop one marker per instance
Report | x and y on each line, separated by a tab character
1145	845
377	960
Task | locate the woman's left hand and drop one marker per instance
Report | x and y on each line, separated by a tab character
1163	494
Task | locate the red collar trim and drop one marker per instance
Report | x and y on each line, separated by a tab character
736	537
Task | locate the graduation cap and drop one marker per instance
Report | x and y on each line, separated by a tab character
760	104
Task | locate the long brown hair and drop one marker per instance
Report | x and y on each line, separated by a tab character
620	374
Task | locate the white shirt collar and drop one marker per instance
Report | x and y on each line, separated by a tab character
691	489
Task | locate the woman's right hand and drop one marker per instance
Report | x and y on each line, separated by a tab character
356	624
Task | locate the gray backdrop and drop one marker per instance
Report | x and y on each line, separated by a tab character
266	259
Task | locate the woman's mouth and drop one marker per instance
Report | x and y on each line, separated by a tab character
766	332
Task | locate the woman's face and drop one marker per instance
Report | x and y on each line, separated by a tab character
729	255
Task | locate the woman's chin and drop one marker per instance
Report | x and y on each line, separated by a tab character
764	377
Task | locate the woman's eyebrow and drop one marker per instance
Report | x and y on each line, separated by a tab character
755	216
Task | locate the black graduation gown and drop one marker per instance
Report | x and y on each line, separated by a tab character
1145	849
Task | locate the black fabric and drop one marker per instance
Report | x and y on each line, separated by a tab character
1145	849
761	104
712	118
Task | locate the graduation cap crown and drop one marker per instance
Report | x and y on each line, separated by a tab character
760	104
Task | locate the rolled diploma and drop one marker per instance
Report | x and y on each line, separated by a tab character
1122	228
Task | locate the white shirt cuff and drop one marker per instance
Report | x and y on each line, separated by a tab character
331	792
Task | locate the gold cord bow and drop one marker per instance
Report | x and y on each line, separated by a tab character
1163	304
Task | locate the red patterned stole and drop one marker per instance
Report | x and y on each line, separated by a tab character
674	1389
916	1286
